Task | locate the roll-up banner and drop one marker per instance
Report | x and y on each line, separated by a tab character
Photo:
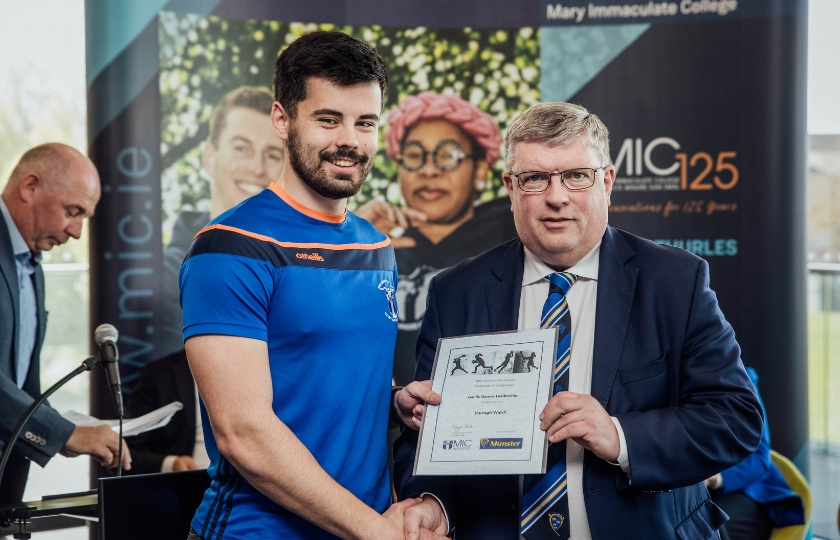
705	102
704	99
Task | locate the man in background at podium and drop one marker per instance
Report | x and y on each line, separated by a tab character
51	190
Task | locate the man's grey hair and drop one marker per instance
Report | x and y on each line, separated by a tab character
556	124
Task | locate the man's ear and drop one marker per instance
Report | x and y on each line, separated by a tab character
609	180
506	178
208	158
29	186
280	121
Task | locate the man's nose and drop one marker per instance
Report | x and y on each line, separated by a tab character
256	165
557	193
347	136
74	229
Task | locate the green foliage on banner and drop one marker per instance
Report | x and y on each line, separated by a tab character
202	58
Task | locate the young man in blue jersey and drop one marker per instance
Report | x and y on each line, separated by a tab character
286	282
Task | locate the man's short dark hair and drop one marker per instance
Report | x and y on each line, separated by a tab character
341	59
250	97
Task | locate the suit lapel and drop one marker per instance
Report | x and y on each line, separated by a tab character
32	384
8	269
616	288
503	296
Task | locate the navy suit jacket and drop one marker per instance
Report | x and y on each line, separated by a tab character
665	364
47	431
760	479
162	382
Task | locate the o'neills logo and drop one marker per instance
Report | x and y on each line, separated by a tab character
310	256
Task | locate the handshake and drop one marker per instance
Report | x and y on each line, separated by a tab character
421	518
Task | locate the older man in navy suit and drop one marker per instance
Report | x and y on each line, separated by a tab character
51	190
657	397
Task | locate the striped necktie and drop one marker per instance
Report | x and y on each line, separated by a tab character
545	506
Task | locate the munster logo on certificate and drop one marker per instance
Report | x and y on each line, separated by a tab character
494	387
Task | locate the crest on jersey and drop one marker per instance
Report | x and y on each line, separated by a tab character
392	313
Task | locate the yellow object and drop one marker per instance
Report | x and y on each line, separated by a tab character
800	486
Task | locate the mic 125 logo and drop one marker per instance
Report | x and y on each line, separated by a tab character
700	171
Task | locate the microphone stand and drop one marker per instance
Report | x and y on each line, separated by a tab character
6	516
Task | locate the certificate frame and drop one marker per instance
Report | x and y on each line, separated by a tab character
488	423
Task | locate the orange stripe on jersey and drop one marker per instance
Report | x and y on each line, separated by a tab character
315	214
301	245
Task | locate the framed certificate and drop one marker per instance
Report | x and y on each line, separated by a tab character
494	387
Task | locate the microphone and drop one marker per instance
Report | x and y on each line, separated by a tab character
105	337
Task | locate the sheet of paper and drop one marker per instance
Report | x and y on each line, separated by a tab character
149	421
494	387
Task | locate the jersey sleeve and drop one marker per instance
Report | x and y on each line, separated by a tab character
226	295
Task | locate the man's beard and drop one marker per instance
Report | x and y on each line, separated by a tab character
308	168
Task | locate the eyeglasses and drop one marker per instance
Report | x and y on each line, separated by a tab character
573	179
447	156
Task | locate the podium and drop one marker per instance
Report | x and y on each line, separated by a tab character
138	507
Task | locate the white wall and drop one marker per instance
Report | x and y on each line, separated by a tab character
823	67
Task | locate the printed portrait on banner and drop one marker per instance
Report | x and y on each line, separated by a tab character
436	184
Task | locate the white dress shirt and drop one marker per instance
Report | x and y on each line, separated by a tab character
582	300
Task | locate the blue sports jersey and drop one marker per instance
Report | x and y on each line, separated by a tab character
319	290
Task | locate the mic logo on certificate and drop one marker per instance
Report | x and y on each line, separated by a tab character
494	387
457	445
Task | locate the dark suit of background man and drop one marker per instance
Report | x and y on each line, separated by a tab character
49	193
179	445
658	398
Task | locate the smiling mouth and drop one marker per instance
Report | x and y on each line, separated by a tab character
249	187
344	158
342	162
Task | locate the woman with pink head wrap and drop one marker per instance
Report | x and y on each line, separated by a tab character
476	123
445	147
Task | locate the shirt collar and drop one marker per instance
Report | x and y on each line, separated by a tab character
18	243
586	268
